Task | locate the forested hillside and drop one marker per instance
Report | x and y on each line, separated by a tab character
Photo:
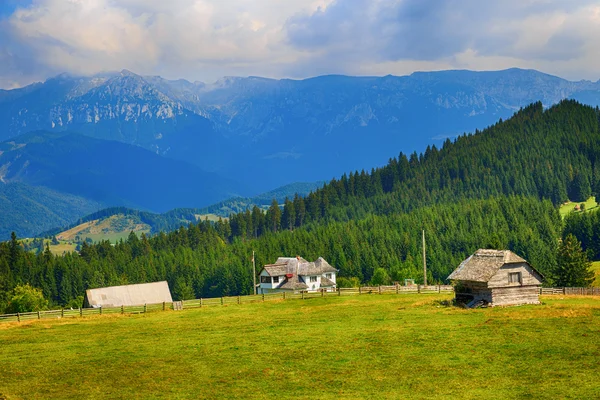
495	188
552	154
199	261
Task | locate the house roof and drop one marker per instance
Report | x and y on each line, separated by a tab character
275	270
293	284
128	295
325	282
293	265
483	264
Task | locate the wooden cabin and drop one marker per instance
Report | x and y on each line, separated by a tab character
496	278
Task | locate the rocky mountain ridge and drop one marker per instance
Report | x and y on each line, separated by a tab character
311	129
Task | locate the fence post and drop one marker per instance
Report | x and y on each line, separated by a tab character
322	292
200	301
122	309
339	292
379	289
283	295
239	299
18	317
164	305
359	290
397	288
564	290
439	288
100	310
263	297
80	312
62	312
302	291
222	302
39	315
418	288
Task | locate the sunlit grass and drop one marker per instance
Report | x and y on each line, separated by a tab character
371	346
590	204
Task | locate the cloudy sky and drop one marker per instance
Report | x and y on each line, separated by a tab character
207	39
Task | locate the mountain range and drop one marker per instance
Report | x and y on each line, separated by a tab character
121	139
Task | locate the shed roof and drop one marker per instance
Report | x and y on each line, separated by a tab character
483	264
128	295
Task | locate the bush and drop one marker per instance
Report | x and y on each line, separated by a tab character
348	282
26	298
380	277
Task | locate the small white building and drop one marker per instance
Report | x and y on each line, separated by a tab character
295	274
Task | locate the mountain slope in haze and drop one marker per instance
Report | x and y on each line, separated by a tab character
123	217
270	132
27	209
106	173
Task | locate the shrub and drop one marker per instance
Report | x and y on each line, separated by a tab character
26	298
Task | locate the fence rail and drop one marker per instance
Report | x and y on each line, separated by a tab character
236	300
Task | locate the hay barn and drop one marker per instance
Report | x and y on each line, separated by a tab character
496	278
128	295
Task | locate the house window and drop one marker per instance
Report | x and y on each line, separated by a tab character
514	277
265	279
328	276
313	278
275	279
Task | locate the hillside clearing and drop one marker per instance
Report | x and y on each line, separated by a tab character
407	346
113	228
566	208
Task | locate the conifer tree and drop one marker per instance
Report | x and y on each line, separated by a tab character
573	266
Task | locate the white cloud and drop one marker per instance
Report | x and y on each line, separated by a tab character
207	39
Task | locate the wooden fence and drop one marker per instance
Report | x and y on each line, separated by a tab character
231	300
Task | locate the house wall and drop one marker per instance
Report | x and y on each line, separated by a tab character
265	286
332	277
515	295
529	277
312	285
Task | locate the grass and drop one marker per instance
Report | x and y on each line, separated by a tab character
406	346
113	228
566	208
62	247
210	217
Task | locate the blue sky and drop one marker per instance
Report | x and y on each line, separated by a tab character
207	39
7	7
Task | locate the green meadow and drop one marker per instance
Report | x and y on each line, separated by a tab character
371	346
569	206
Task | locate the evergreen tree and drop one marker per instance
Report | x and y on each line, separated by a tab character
573	266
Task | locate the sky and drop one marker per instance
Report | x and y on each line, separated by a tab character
205	40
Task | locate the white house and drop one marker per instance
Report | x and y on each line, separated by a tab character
295	274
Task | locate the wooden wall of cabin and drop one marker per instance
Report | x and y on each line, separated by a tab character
515	295
529	277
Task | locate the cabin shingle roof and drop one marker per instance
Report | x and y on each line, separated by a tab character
483	264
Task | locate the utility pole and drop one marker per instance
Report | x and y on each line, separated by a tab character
253	274
424	262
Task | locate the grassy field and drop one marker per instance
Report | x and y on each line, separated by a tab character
405	346
210	217
113	228
566	208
